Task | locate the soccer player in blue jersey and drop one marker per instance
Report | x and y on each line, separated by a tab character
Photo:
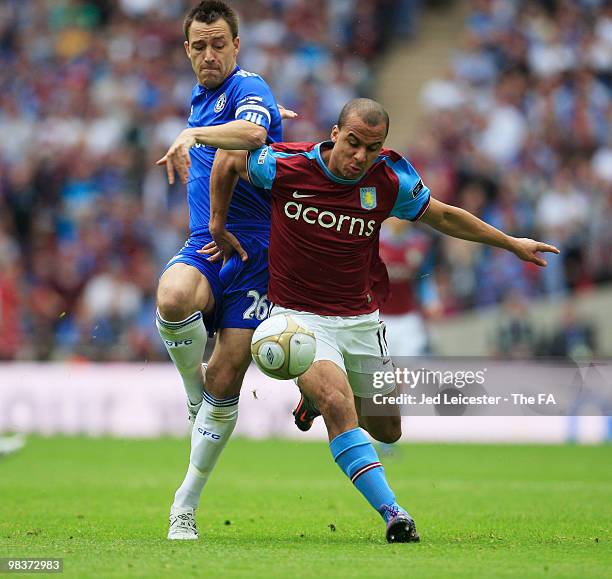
230	109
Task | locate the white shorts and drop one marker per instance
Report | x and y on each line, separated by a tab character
356	344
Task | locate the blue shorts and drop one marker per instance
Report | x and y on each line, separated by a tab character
240	288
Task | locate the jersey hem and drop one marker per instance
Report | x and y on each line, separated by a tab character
308	309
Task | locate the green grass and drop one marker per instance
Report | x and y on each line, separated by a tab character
482	511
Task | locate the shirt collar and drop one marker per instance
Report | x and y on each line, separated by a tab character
203	90
335	178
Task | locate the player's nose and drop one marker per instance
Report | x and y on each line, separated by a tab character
360	155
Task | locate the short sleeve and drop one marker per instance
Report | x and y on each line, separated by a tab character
254	100
413	196
261	167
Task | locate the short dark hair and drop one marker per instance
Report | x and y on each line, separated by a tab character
209	11
369	111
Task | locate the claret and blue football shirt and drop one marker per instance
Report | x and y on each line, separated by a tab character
325	229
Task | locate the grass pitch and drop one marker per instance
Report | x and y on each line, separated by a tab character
282	509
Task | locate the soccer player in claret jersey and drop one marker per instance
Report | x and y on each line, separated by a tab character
233	109
328	202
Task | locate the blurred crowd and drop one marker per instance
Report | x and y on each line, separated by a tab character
519	132
517	336
92	92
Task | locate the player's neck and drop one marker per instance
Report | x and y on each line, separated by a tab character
326	154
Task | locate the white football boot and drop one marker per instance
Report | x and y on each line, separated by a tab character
182	525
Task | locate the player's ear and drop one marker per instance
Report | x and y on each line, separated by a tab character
334	133
186	45
236	42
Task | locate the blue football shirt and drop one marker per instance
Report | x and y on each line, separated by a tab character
246	96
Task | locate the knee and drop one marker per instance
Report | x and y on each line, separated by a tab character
174	302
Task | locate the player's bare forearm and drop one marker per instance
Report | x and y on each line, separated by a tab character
463	225
235	135
227	168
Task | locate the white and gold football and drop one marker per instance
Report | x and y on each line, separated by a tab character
283	349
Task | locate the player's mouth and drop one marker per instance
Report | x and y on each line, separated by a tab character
354	170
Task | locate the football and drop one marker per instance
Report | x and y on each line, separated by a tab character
283	349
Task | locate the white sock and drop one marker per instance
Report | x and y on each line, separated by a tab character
213	427
185	342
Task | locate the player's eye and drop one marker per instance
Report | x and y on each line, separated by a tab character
219	46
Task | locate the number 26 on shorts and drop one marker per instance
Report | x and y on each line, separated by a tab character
259	308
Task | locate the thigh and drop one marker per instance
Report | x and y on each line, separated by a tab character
366	355
366	362
324	329
190	279
182	290
229	362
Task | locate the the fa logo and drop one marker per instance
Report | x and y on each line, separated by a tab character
220	103
368	197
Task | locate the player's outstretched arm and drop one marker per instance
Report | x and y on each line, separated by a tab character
235	135
462	224
228	166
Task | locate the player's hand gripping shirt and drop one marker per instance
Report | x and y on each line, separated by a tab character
242	96
324	234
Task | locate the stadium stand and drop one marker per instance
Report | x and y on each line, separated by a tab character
519	133
92	92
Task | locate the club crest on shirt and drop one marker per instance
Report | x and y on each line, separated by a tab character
368	197
220	103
